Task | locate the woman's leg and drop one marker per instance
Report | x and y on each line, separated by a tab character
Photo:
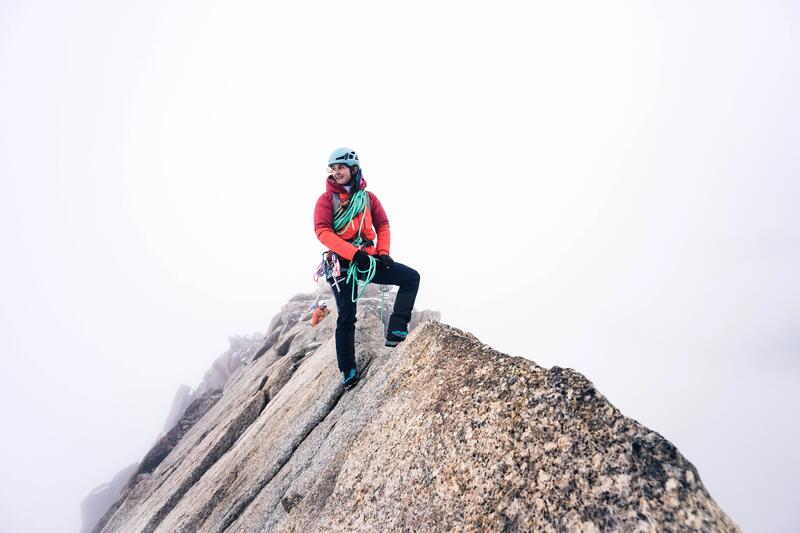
345	325
408	280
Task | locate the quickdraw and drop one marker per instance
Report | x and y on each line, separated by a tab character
329	268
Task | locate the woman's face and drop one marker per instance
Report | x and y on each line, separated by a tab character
341	174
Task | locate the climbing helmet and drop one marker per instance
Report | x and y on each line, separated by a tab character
344	156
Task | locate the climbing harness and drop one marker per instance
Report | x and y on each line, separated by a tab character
344	216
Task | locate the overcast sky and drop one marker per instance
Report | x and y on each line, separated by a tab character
611	187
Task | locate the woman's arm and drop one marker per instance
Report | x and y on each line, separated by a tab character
381	223
323	227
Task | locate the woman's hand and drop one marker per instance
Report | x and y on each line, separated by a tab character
361	259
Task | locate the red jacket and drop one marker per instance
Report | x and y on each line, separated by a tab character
374	215
318	314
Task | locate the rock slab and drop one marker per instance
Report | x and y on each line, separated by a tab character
443	433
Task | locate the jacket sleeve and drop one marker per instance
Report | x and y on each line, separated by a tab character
323	227
381	223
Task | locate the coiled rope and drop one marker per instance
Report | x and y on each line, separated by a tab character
345	215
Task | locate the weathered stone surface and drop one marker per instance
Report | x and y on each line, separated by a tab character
269	342
242	349
441	434
373	300
183	397
189	418
102	497
274	324
423	316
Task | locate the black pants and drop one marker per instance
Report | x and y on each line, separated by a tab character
408	280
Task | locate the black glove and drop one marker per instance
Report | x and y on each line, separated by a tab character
385	260
361	259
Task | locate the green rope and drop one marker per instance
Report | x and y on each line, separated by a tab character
357	203
345	216
353	273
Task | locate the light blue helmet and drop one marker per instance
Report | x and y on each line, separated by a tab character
344	156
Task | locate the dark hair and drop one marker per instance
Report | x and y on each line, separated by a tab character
356	181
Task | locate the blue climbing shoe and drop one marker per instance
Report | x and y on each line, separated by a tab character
393	338
350	378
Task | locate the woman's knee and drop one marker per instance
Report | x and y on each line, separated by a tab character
413	277
346	321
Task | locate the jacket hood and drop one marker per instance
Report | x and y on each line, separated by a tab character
331	185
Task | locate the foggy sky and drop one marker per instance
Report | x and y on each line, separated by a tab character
608	188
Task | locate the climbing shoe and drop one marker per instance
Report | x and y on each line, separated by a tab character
393	338
349	378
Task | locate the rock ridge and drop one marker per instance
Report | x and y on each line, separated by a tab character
442	433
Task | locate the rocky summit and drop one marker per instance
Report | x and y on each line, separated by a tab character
442	433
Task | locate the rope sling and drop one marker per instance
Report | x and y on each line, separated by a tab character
344	217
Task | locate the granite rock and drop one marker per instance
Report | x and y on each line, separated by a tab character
442	433
241	350
102	497
183	397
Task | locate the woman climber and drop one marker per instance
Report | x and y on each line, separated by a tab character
357	255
